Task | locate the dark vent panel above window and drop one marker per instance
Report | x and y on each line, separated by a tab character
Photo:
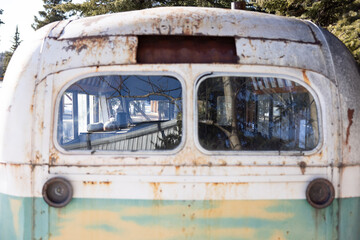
186	49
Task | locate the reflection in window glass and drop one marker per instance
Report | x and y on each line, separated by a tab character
254	113
121	113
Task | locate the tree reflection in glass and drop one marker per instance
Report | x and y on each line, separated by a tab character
122	113
256	113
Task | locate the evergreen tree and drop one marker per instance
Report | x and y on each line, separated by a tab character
8	54
347	29
50	14
97	7
341	17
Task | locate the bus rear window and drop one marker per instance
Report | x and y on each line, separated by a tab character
255	113
121	113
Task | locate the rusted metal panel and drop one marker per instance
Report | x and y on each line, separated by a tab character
191	21
203	190
92	51
282	53
347	74
261	39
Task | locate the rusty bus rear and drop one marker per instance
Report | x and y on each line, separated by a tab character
180	123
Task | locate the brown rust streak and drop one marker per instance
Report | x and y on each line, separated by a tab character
105	183
306	79
177	170
53	158
350	114
156	189
38	157
302	166
90	182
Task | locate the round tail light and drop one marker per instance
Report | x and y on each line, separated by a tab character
57	192
320	193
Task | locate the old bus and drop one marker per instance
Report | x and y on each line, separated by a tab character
180	123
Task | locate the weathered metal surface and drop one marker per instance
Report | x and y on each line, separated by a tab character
261	39
190	21
115	219
90	51
121	192
282	53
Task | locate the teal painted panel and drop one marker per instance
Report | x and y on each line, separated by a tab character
160	219
41	222
349	227
15	217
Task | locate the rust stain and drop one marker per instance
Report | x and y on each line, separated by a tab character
251	45
223	163
84	43
306	79
90	182
177	170
156	189
350	114
302	166
161	171
38	157
53	158
105	183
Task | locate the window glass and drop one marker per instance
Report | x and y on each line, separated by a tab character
256	113
121	113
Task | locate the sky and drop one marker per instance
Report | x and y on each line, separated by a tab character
21	13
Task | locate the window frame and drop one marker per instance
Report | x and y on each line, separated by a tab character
80	77
299	81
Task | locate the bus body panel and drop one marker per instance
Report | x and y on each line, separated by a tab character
189	192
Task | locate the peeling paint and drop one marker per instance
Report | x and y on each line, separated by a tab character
15	205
